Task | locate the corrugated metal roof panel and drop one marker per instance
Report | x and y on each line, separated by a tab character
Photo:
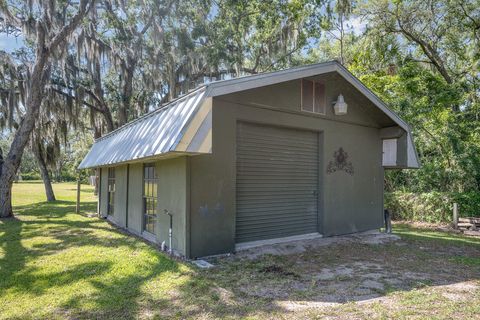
153	134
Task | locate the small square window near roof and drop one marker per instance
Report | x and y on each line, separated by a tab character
313	96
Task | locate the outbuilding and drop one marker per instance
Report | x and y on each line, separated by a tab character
284	155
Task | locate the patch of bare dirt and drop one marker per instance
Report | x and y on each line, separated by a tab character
362	269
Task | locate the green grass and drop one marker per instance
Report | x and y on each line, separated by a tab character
56	264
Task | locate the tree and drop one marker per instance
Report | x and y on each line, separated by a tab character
445	33
48	26
421	58
336	23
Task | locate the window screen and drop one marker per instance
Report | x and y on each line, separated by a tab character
307	95
313	96
319	98
149	198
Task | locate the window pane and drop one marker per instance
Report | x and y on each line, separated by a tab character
154	193
320	101
307	95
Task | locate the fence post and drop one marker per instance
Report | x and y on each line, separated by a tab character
455	215
77	208
388	221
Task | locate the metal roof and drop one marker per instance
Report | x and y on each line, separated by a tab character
185	124
154	134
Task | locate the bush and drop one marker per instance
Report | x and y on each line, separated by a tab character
431	206
31	176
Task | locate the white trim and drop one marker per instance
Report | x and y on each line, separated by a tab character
258	243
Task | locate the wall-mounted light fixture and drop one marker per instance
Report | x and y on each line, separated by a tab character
340	106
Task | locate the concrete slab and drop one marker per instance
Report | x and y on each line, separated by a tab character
299	246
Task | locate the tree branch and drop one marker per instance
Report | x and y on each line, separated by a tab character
72	25
91	106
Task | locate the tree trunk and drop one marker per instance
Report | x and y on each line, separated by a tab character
127	91
99	97
39	74
22	135
38	152
5	206
1	160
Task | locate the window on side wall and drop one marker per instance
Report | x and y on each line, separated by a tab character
149	198
111	192
313	96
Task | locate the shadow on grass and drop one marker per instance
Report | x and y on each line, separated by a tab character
52	229
82	189
29	182
236	287
421	234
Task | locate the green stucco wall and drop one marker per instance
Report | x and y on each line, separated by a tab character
172	196
120	211
103	192
347	203
135	198
200	190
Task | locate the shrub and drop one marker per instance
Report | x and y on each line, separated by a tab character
431	206
31	176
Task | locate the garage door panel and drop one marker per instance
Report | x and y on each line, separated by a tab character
297	150
277	182
264	213
259	203
271	137
254	235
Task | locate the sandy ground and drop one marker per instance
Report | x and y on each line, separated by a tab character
367	268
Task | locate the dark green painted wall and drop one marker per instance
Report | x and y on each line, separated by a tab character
103	192
172	195
135	205
201	190
348	203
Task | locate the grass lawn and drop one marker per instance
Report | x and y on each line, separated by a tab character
58	264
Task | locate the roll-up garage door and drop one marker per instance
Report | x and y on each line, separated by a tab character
277	182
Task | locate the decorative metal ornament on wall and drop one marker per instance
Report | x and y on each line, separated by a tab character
340	163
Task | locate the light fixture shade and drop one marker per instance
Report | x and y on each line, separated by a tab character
340	106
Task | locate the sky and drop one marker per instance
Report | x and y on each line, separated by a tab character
9	43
